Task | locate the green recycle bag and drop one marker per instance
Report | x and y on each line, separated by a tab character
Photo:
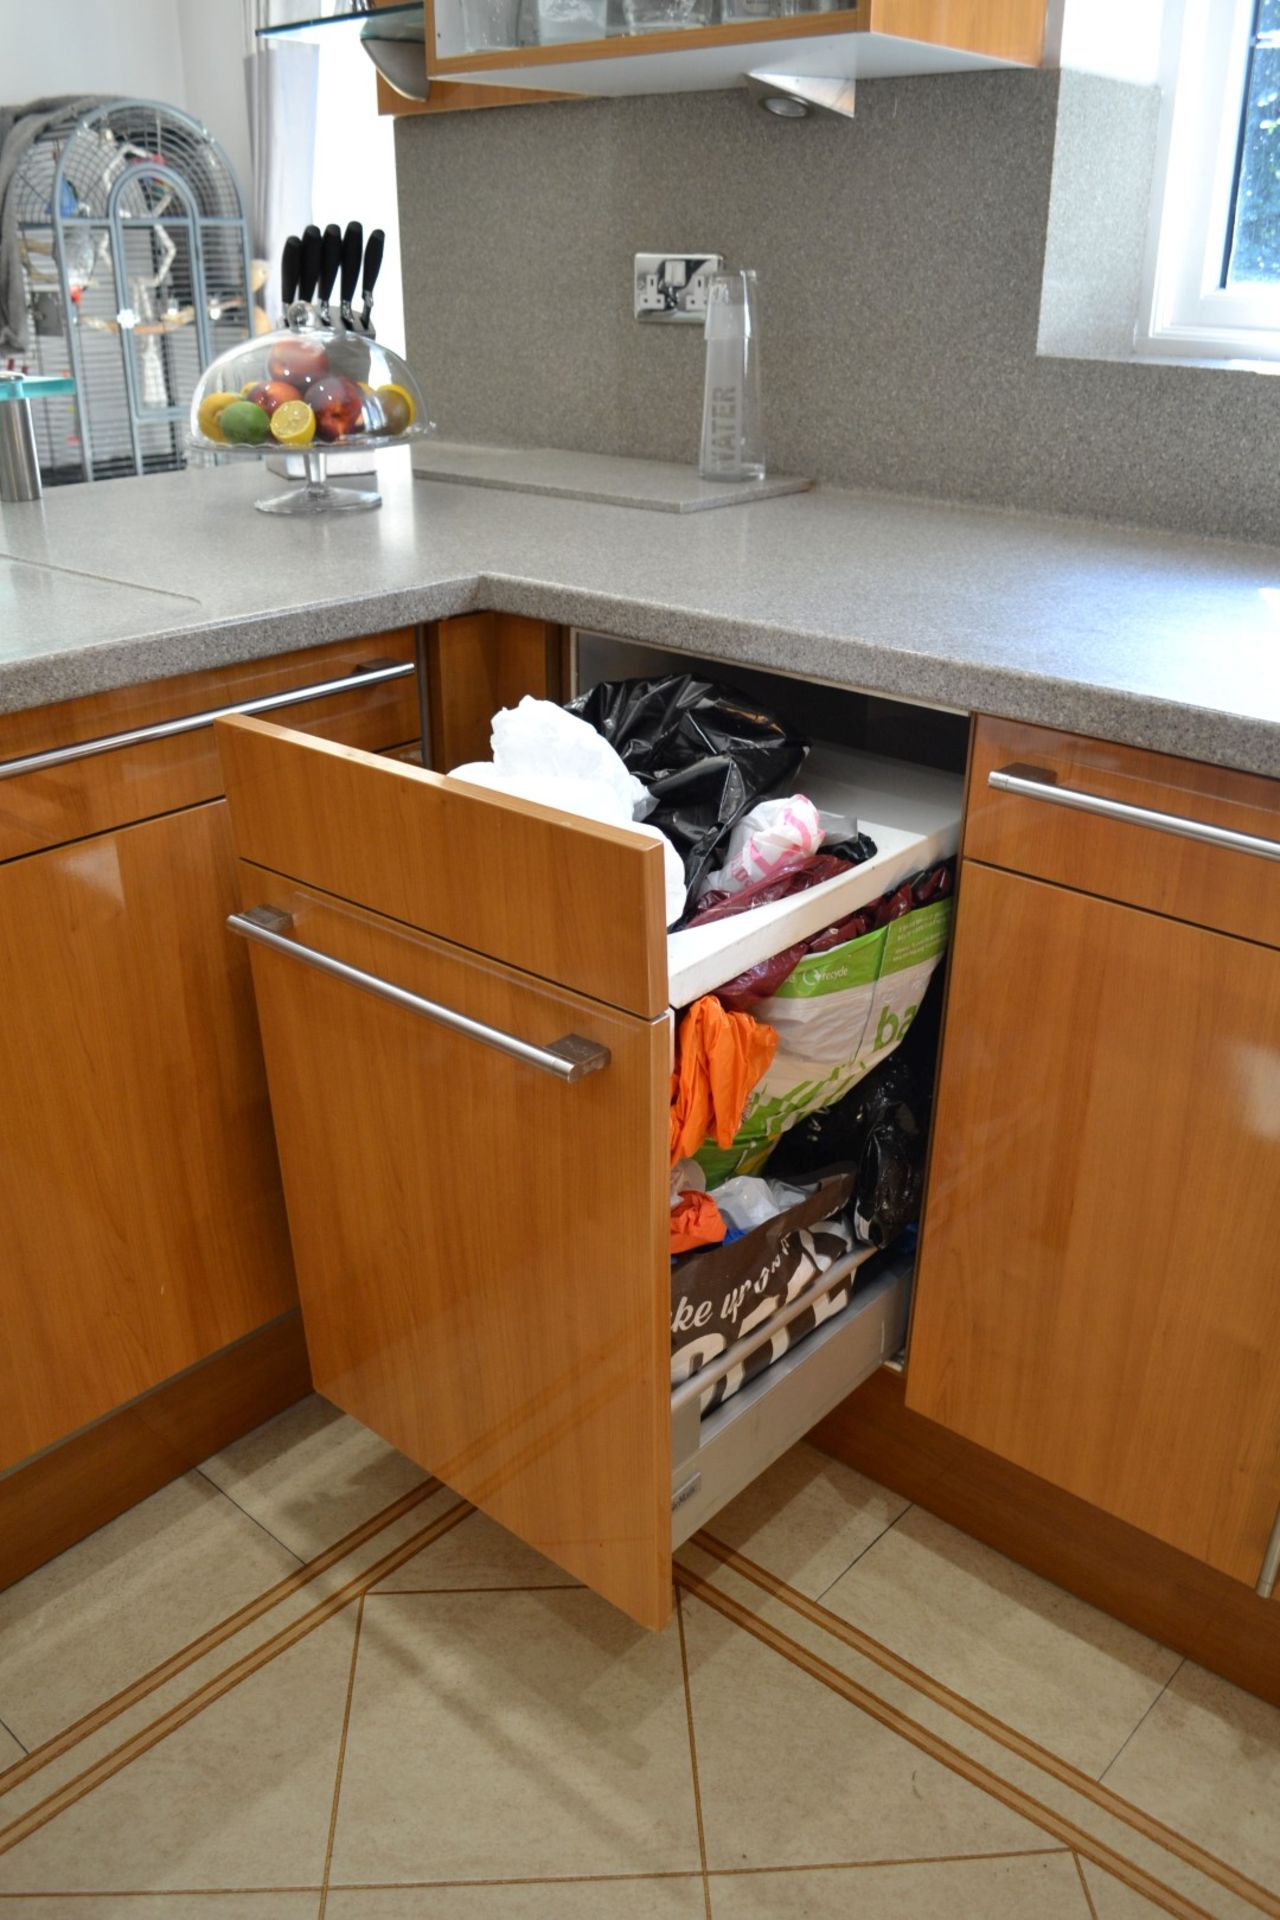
837	1016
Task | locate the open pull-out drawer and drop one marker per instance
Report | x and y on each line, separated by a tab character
465	1008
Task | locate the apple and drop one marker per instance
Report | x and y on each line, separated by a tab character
298	361
270	394
338	404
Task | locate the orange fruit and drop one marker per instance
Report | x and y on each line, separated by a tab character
209	409
398	408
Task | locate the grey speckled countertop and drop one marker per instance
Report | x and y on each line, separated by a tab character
1154	640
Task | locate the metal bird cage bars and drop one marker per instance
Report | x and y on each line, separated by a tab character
135	259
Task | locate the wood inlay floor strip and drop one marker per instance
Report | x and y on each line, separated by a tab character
118	1703
1046	1818
204	1696
986	1723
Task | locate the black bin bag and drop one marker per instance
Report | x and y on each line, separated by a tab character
705	752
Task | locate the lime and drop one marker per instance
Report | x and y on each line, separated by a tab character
207	414
398	410
244	423
293	424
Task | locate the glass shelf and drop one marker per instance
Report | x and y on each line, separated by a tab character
313	20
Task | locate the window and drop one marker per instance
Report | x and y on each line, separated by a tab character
1213	275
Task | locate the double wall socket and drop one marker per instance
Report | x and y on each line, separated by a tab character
673	286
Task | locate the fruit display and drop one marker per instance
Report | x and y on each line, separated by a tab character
330	387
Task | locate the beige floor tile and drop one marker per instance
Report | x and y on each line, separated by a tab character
10	1749
1031	1654
312	1474
174	1906
545	1900
1206	1760
808	1518
1112	1900
1044	1888
238	1797
793	1774
503	1735
110	1608
479	1553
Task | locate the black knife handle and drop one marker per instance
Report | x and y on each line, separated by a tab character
309	272
352	254
372	263
330	260
290	267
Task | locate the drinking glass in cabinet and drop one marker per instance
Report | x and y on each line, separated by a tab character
662	16
553	22
489	23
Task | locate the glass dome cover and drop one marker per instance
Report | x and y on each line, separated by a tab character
313	390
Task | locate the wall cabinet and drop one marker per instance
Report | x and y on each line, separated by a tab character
1098	1293
629	47
143	1225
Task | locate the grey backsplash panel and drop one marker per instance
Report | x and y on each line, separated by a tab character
900	262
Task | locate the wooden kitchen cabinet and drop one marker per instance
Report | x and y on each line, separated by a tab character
1098	1292
142	1221
481	1239
868	39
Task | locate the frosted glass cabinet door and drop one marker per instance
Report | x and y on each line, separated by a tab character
1098	1294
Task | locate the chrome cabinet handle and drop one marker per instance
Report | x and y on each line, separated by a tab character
1034	783
1271	1562
570	1058
371	676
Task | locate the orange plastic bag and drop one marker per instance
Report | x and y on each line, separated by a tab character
719	1058
696	1221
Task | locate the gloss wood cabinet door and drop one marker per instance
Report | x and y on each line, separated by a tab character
1098	1295
464	1020
140	1209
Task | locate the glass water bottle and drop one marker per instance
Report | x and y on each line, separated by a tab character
732	423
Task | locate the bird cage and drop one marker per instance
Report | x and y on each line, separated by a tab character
135	262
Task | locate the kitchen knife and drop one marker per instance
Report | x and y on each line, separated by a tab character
352	253
372	268
330	261
300	314
290	263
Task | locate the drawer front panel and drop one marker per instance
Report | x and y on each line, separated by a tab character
52	805
481	1247
1145	862
570	901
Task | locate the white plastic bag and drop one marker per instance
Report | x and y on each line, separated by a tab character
774	832
544	754
746	1201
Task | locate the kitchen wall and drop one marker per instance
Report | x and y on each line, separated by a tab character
186	53
901	265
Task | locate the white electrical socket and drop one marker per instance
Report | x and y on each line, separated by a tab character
673	286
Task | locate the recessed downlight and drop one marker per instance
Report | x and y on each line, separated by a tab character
785	109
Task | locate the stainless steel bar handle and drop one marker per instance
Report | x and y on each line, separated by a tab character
697	1383
570	1058
1271	1562
371	676
1033	783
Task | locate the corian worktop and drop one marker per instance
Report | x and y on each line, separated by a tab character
1155	640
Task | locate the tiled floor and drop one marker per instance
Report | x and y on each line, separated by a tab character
305	1683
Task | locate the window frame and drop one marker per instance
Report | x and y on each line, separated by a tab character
1186	312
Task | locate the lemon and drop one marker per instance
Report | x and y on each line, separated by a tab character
293	424
398	409
248	388
210	407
